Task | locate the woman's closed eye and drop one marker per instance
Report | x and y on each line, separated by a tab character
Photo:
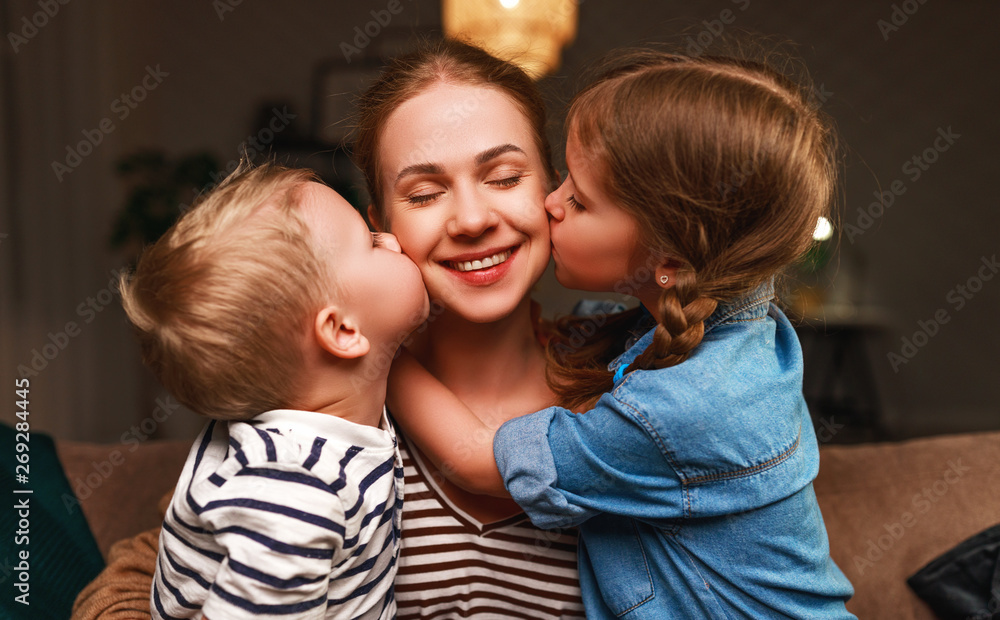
377	240
574	204
510	181
420	199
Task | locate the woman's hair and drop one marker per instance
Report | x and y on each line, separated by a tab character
446	61
726	166
221	302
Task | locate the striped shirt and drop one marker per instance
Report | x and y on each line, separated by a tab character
452	566
292	514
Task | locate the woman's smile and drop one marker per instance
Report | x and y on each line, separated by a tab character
485	261
482	268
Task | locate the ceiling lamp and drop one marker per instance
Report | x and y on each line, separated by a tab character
530	33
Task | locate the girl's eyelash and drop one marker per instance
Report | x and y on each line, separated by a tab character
574	203
376	239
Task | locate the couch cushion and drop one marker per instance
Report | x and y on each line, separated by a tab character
120	485
892	508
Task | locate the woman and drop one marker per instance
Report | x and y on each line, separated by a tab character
452	143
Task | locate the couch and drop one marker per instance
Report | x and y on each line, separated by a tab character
889	508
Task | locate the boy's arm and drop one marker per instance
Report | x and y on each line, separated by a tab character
300	535
443	427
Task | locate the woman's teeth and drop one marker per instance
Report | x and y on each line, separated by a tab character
486	263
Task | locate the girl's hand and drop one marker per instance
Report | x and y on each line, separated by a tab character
443	427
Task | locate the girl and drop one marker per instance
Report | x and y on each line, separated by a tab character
692	182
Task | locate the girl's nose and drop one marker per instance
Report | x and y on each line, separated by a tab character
554	203
389	241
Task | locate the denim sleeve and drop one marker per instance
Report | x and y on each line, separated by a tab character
563	468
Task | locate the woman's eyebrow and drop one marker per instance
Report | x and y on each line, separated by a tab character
496	151
419	169
482	158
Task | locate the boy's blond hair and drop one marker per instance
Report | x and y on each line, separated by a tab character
223	303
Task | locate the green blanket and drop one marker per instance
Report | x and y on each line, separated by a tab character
47	552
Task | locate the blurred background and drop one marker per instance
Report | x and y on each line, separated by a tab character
114	114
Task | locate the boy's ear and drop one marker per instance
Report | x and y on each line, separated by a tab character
339	334
374	219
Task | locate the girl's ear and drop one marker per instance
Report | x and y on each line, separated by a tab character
666	274
339	334
374	219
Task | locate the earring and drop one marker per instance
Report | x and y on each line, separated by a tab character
664	279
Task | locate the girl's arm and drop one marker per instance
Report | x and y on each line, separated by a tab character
443	427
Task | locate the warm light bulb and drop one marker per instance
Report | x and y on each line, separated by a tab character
824	229
509	4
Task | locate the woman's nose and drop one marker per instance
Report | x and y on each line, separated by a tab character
554	204
390	241
472	216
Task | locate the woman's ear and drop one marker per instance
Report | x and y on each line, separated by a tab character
374	219
339	334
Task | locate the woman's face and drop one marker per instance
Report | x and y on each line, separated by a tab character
464	189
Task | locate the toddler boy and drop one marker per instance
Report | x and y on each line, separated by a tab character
270	308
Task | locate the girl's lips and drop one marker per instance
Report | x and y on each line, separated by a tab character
484	270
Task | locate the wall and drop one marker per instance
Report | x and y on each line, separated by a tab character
893	91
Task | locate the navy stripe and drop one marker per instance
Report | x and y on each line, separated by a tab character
271	580
385	543
361	568
341	480
242	458
205	440
192	528
390	596
293	513
318	553
216	479
218	557
387	466
272	454
314	454
386	516
178	597
202	448
184	570
371	561
376	511
159	606
286	476
294	608
366	588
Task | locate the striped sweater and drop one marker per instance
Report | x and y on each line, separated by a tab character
452	566
290	515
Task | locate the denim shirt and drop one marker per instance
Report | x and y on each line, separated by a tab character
691	485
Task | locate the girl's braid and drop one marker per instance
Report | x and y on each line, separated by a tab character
680	325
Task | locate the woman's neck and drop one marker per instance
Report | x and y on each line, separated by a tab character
497	369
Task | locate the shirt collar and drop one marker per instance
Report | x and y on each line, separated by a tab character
753	305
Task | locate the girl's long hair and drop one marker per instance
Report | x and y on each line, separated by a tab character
725	164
